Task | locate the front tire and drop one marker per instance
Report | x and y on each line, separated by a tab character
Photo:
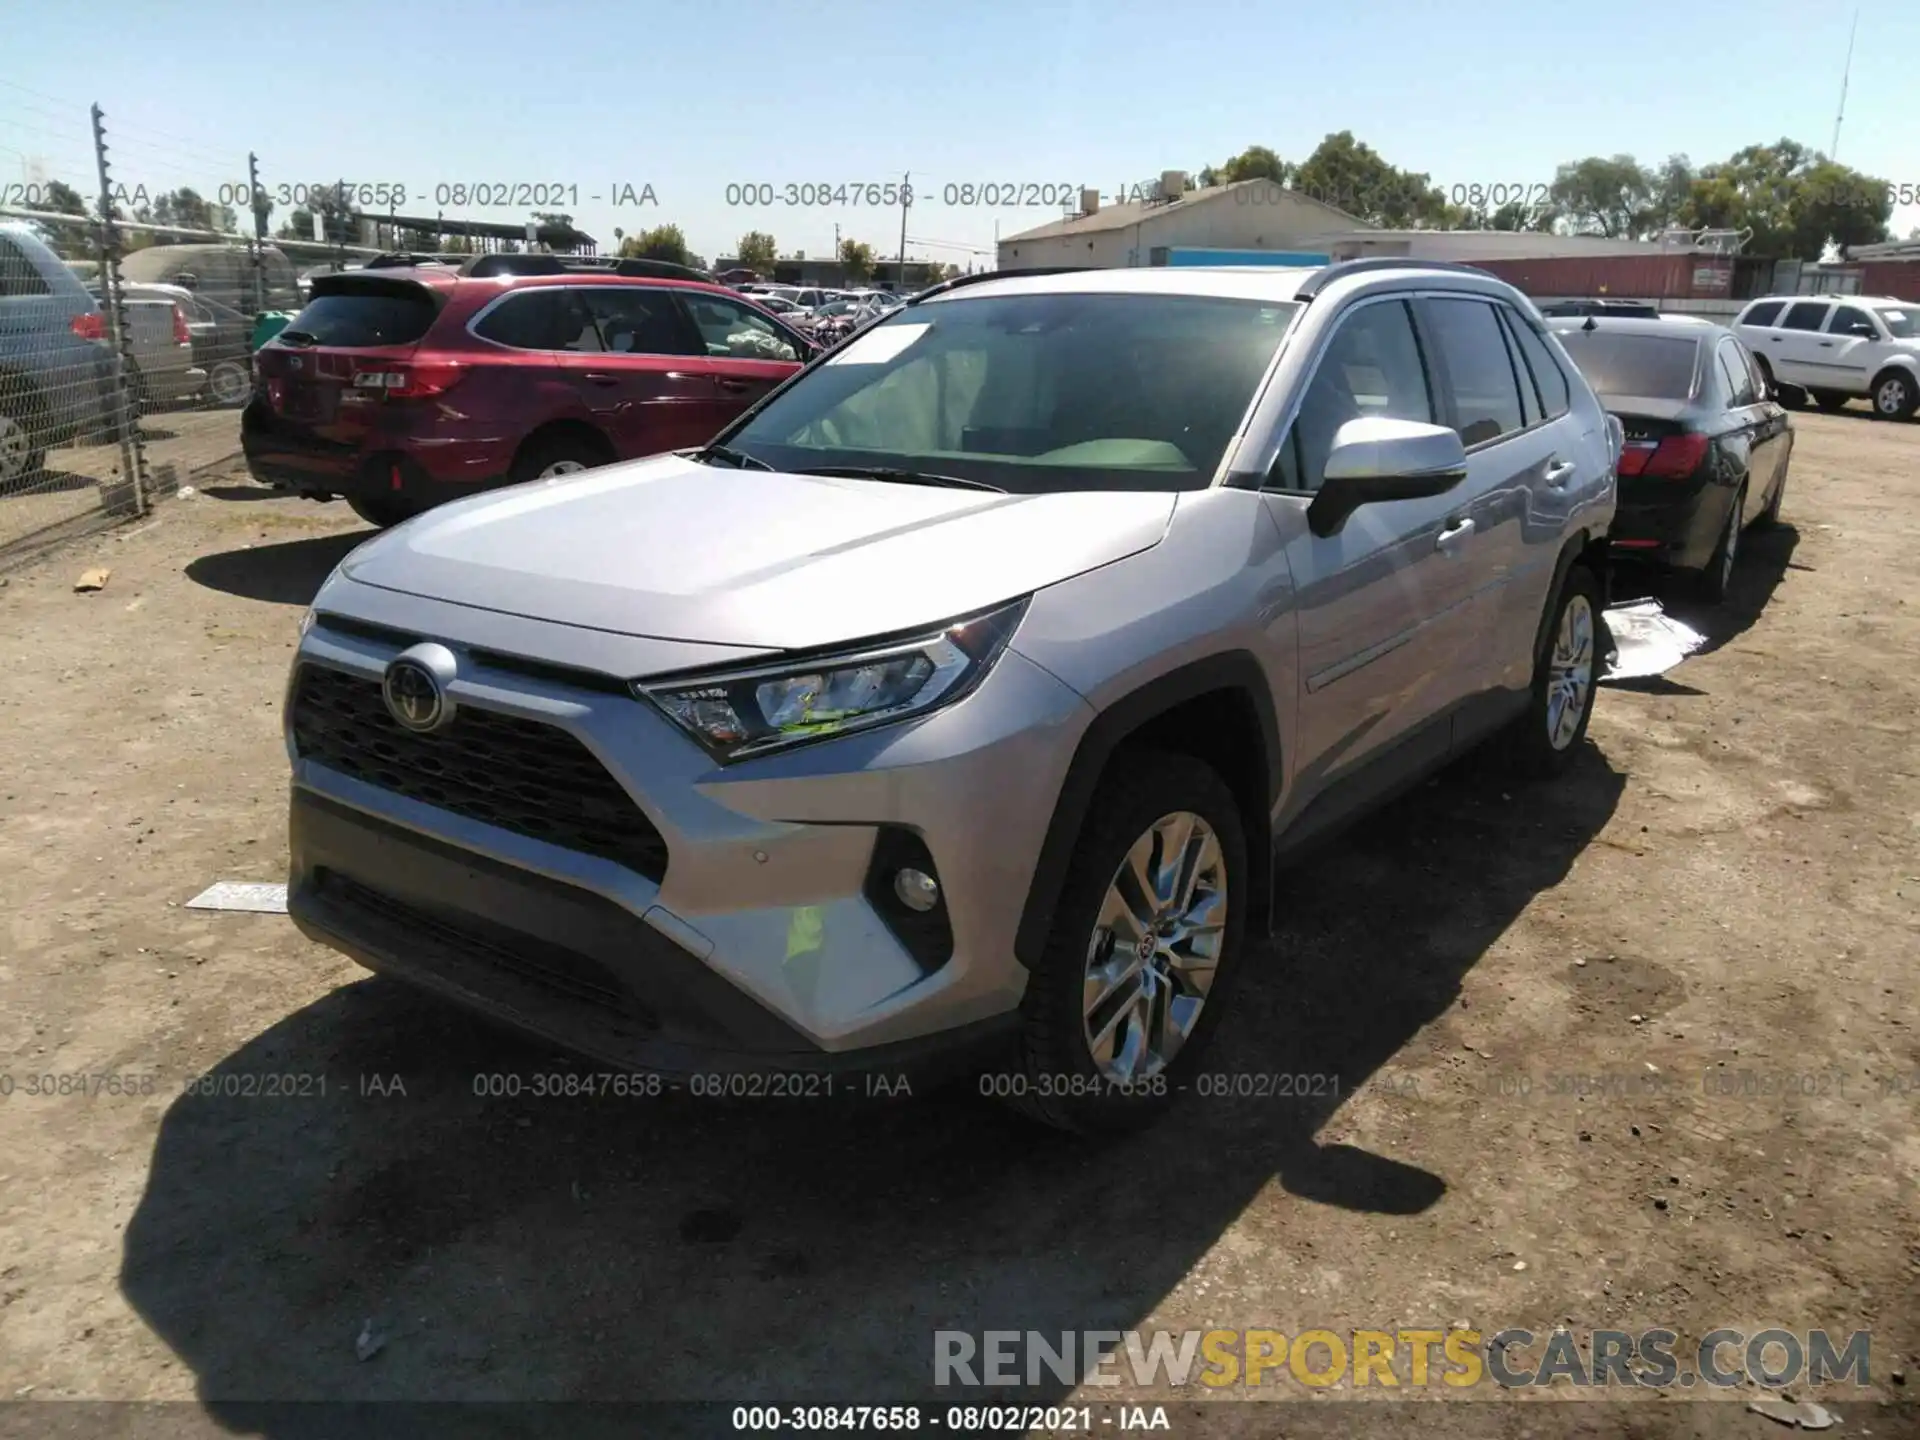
1146	937
555	456
1895	395
1831	400
1566	681
23	440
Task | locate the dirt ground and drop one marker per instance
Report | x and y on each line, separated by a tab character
1724	896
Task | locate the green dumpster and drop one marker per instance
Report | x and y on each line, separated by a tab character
270	323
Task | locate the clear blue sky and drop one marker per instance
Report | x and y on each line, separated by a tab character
688	98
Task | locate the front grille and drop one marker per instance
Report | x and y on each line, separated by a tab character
470	945
521	775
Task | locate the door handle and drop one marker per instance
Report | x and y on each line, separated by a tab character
1451	537
1773	339
600	377
1559	472
1826	344
734	387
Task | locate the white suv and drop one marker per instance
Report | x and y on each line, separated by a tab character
1837	348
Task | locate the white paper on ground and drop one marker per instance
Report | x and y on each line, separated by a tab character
242	895
1647	641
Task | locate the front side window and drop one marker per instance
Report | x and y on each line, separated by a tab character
1765	313
1372	367
736	332
1033	393
1486	396
1807	315
1847	317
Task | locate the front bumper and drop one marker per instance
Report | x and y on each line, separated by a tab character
763	939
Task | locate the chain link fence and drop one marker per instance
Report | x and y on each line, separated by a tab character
137	277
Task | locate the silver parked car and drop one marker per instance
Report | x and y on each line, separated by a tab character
955	706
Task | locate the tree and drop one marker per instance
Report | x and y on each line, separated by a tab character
856	258
1352	176
1613	196
1207	177
339	216
185	208
663	242
1256	162
68	241
757	252
1794	200
456	244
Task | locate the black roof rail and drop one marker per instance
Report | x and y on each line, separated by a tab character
1341	269
960	281
661	270
483	266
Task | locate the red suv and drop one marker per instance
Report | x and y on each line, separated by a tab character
401	388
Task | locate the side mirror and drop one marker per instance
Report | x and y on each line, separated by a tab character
1863	330
1375	460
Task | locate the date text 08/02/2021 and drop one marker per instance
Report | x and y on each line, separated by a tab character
953	1419
377	197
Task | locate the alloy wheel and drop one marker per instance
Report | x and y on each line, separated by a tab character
560	467
1155	948
1891	397
13	449
229	383
1570	672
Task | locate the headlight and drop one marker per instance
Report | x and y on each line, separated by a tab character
306	622
738	713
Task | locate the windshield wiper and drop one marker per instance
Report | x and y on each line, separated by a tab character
741	460
900	477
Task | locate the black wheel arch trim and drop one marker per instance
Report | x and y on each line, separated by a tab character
1236	670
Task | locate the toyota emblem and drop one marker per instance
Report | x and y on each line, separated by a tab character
414	696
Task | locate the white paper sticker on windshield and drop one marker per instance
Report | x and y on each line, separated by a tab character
880	345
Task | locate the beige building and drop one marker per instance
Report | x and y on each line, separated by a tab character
1471	246
1252	215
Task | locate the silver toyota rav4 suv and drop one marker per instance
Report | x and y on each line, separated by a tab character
956	705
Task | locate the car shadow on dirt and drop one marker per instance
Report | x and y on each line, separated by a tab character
289	573
514	1247
48	481
1766	555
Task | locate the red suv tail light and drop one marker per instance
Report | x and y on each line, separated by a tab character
1674	458
410	381
181	335
90	326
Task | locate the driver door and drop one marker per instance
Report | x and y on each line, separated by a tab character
1376	633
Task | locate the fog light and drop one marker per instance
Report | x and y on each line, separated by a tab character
917	889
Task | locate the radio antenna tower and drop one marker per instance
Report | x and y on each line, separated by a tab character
1833	151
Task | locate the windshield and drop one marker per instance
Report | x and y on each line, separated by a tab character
1903	324
1033	393
1615	363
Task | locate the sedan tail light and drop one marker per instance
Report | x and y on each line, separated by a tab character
90	326
1674	458
181	335
418	381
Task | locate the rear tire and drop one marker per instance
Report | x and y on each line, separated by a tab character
1716	581
1770	516
1543	742
383	511
1895	395
1148	803
23	439
552	456
1831	399
1792	397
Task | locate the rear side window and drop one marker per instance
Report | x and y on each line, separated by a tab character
358	318
539	320
1807	315
1555	395
1486	394
19	276
636	320
1765	313
1614	363
1733	368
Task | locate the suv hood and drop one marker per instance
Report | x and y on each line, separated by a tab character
670	549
